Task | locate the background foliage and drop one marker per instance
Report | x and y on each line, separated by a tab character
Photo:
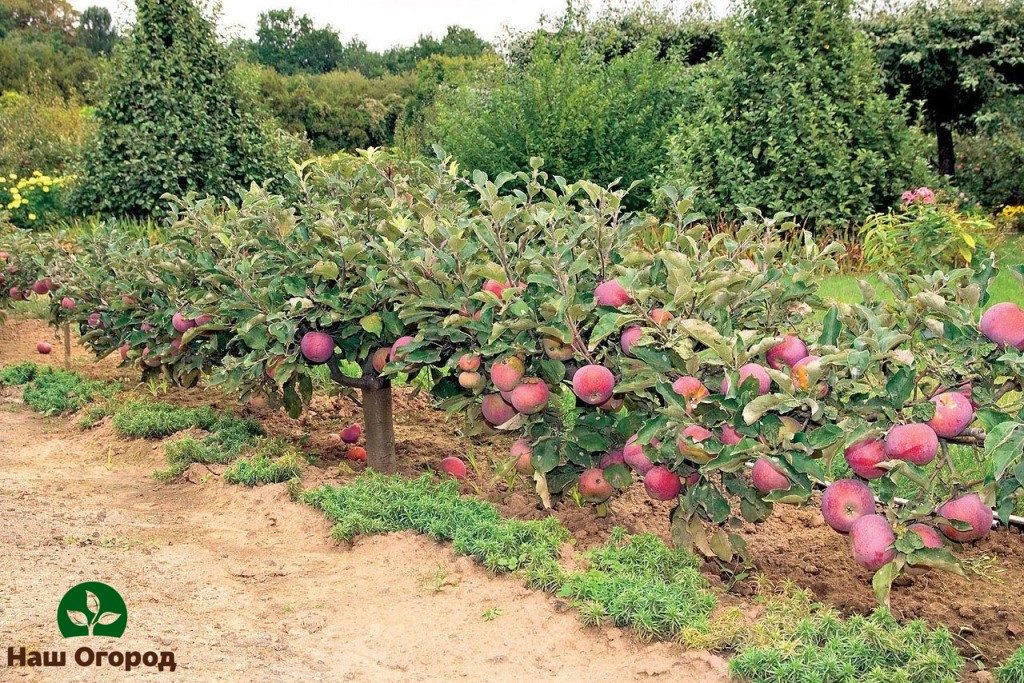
793	115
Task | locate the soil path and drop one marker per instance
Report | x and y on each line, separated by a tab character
246	585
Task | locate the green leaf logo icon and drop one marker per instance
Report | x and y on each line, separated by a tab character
92	609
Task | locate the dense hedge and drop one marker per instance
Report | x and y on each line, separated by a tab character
793	116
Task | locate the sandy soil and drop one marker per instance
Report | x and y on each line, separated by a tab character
245	584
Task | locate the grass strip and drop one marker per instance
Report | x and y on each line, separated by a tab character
797	640
272	461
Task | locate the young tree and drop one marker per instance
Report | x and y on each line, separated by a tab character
172	119
953	59
794	115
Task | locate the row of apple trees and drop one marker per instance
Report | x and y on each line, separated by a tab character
615	345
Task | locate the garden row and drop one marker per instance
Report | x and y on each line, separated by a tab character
615	344
634	582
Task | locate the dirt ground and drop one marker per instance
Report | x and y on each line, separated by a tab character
984	610
246	585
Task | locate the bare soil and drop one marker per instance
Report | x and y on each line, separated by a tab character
246	585
984	611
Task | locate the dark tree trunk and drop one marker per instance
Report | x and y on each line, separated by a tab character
947	155
380	429
67	346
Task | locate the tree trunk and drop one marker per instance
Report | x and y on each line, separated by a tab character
380	429
947	155
67	346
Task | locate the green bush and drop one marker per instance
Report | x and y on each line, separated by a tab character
924	238
36	201
172	119
39	133
793	117
991	161
37	65
588	117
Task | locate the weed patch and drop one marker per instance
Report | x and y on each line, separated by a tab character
638	581
57	392
18	375
800	641
154	420
273	461
377	504
1013	670
229	436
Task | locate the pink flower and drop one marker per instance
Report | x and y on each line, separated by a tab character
924	195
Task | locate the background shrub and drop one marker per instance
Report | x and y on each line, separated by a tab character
341	110
925	238
588	117
793	117
39	133
991	161
172	119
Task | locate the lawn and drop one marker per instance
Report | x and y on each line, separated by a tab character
844	288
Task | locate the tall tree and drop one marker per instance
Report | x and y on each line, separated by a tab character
953	58
172	118
291	43
96	30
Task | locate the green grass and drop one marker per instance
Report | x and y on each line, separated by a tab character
378	504
58	392
272	461
798	641
1012	671
144	419
18	375
1005	287
228	438
637	581
54	392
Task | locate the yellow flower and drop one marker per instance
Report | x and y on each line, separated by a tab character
46	188
31	216
14	176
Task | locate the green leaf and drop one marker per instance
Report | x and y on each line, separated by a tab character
545	456
882	582
619	476
1004	446
935	558
900	386
328	270
830	328
606	325
372	323
256	338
